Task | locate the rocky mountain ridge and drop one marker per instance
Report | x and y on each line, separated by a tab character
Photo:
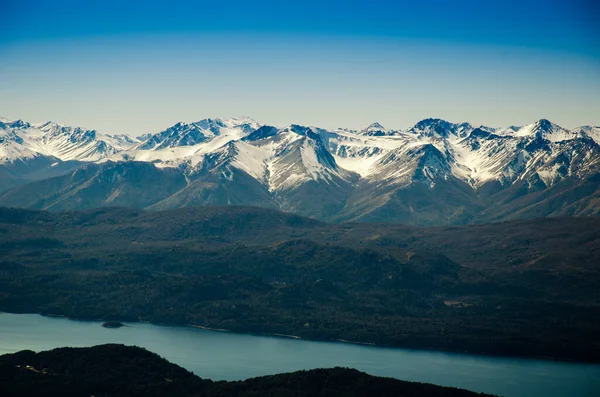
436	172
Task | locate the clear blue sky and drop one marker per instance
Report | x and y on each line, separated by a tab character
140	66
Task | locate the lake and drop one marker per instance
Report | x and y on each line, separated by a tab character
229	356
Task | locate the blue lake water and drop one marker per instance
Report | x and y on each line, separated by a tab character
230	356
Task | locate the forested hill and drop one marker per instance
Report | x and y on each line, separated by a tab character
529	287
117	370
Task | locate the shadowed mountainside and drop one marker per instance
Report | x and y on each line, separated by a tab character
528	287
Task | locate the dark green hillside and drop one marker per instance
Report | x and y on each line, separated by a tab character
529	287
117	370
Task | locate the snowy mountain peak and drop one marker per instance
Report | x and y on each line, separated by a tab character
190	134
242	122
8	135
12	146
301	130
62	142
546	130
17	124
441	128
74	134
591	131
510	130
179	134
263	132
545	124
217	125
48	125
375	129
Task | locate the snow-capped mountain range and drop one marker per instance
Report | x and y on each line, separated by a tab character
434	172
21	140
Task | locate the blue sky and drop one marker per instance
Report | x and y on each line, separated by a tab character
140	66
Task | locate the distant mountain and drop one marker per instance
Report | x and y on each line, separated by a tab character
68	143
376	129
135	184
62	142
184	134
441	128
591	131
435	172
35	152
117	370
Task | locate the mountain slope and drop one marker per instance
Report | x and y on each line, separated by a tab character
435	172
303	176
109	184
270	168
35	152
190	134
69	143
62	142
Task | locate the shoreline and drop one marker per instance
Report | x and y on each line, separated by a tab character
338	340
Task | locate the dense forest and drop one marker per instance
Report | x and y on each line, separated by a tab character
529	287
117	370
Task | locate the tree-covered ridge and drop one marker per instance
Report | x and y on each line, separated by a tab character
118	370
519	288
